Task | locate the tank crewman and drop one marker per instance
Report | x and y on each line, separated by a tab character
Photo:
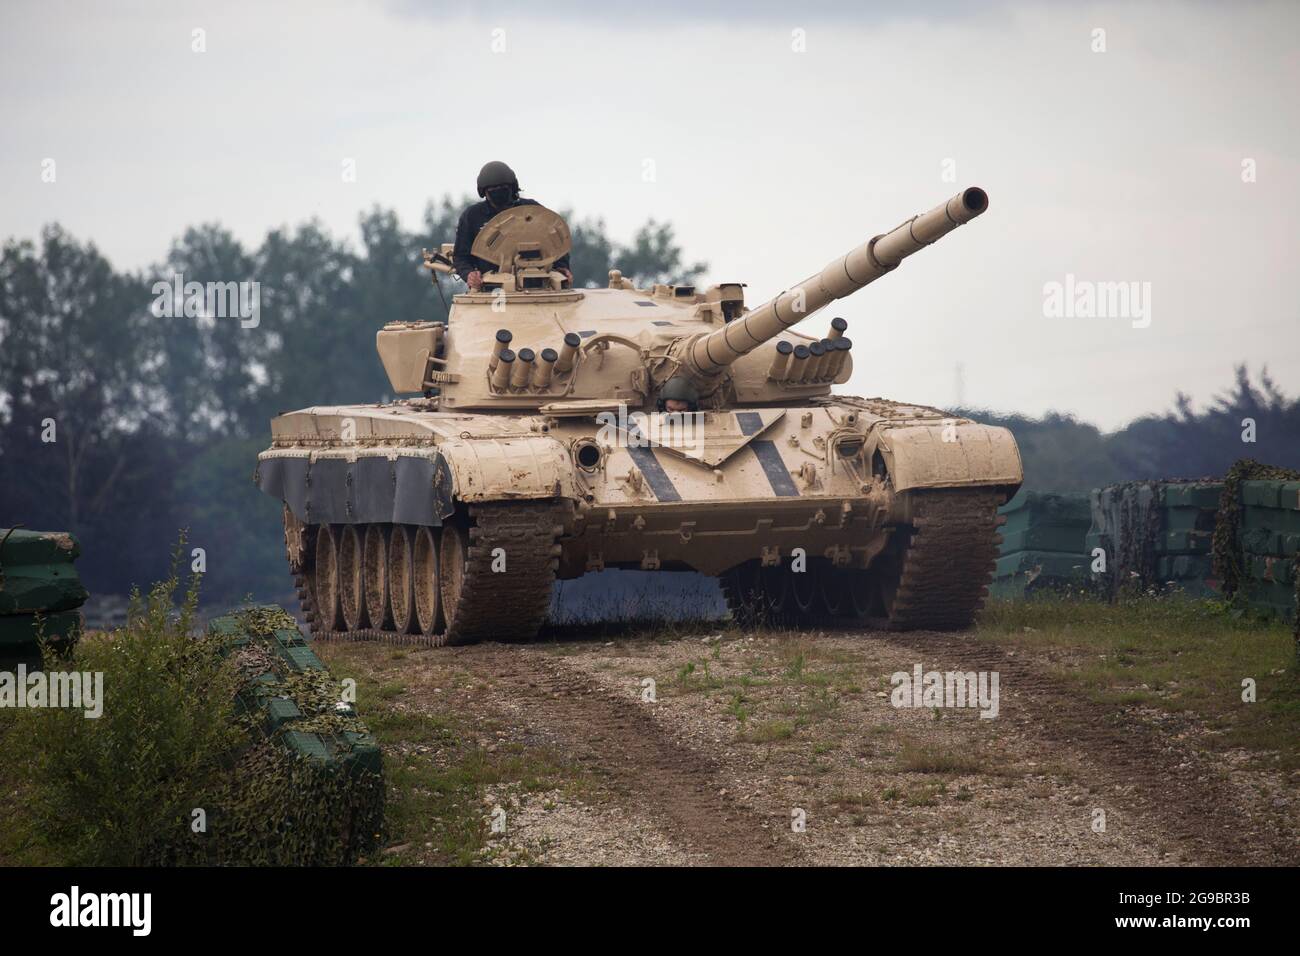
499	188
678	395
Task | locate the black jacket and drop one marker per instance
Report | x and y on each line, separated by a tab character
473	219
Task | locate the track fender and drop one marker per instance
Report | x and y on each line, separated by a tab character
494	469
950	454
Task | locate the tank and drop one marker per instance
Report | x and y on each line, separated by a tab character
550	432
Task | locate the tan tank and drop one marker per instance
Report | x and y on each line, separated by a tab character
541	440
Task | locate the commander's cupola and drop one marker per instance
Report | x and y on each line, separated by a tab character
523	244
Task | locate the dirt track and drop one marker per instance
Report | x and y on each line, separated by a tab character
687	779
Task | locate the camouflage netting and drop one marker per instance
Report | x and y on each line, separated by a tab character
310	790
1156	535
1227	530
1126	520
1228	551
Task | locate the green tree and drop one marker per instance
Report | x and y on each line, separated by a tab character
654	256
75	371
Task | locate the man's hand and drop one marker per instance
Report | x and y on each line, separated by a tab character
474	280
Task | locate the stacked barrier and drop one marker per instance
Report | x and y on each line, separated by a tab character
288	691
40	592
310	789
1184	550
1156	535
1042	544
1269	539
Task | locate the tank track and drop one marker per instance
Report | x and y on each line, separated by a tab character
507	606
933	576
511	605
949	562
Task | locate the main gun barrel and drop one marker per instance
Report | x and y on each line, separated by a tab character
842	277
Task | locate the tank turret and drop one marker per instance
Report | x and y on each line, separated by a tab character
527	339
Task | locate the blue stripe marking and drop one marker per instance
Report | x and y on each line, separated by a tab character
777	475
749	422
654	473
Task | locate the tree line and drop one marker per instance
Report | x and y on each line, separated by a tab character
1251	418
124	427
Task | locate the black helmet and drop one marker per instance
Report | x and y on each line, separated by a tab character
680	388
496	173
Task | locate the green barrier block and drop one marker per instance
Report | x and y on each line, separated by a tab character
1289	495
1263	567
288	638
363	752
1272	598
19	546
1189	519
302	659
280	710
1259	541
226	627
40	588
1278	592
19	631
1185	567
1187	542
1271	519
1044	538
307	745
1030	509
268	697
1201	496
1260	494
1053	564
1192	574
36	572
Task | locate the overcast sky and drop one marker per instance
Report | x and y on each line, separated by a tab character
1117	166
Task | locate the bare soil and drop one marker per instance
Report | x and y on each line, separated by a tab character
785	749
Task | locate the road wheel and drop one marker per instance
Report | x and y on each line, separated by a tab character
374	561
833	586
326	583
777	603
743	592
857	590
351	600
400	562
427	583
803	592
452	555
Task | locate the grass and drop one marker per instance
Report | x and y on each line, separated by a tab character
1175	655
695	676
439	772
172	772
119	790
926	758
768	731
